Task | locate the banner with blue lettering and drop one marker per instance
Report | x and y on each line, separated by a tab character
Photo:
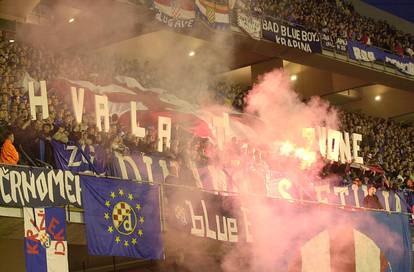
297	236
358	51
78	159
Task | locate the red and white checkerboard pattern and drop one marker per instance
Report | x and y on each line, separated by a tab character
175	9
120	213
44	239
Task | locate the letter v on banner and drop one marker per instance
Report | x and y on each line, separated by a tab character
77	103
45	245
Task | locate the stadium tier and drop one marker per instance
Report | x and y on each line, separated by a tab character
205	135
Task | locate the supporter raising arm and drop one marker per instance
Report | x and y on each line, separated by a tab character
9	154
371	201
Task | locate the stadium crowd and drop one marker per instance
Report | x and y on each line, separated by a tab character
385	144
230	94
339	19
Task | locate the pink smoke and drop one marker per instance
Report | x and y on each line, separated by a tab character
283	116
275	140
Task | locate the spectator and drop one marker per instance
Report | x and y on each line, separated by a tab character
409	185
371	201
118	145
365	39
9	154
410	51
61	135
357	182
45	145
398	49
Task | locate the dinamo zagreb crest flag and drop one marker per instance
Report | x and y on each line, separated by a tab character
45	245
122	218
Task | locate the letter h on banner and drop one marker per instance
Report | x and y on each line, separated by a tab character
38	100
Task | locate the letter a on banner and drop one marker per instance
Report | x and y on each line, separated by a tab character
45	245
102	111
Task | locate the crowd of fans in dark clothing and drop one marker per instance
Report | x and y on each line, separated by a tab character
385	143
232	95
33	137
339	19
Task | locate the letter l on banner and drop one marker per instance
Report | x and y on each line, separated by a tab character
45	245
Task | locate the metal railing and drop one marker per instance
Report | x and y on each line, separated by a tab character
164	184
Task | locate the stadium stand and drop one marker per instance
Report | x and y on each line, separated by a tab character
339	19
387	146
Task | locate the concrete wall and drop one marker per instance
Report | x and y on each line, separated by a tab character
12	258
312	81
12	255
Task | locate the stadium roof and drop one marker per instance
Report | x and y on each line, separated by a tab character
401	8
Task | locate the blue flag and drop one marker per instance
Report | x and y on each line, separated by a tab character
78	158
122	218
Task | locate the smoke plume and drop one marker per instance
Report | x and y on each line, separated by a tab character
277	240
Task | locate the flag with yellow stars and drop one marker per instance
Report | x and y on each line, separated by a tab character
122	218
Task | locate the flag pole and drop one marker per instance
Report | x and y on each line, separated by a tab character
161	201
